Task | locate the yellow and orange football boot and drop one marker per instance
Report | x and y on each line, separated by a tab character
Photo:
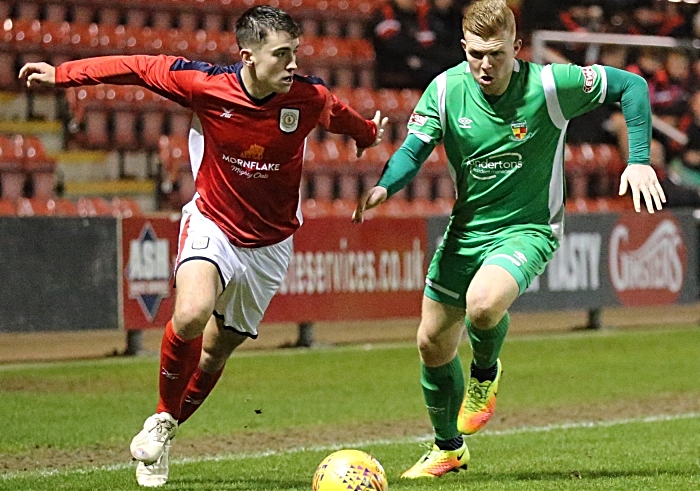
479	403
436	462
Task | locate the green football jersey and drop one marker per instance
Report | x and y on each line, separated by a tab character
506	154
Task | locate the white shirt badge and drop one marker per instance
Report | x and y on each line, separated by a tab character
289	120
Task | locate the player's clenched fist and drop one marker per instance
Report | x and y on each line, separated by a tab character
36	74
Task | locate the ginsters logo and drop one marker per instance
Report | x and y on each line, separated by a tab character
149	270
249	163
647	259
497	166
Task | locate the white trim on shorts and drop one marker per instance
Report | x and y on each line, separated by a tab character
250	277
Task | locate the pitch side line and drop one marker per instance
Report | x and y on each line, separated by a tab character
379	345
363	443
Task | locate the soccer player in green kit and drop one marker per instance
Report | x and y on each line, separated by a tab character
503	123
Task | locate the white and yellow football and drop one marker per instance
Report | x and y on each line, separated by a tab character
350	469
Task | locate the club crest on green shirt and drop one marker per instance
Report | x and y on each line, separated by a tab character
519	131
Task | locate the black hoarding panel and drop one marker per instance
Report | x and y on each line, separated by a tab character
58	274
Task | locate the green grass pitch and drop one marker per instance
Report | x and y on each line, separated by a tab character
610	410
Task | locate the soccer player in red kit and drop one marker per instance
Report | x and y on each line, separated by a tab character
246	149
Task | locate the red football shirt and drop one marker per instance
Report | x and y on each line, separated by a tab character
248	174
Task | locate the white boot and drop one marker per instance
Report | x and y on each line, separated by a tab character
149	444
156	474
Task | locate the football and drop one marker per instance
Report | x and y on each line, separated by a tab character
350	469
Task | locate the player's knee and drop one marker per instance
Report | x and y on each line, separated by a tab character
189	319
483	313
430	348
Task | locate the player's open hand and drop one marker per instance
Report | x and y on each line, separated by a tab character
374	197
37	74
642	180
380	123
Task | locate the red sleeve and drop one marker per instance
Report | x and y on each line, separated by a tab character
338	117
153	72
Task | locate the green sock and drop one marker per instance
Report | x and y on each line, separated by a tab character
487	344
443	390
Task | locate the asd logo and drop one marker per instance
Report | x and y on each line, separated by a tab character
148	271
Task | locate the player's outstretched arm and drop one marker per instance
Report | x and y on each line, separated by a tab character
374	197
401	168
380	123
642	181
38	74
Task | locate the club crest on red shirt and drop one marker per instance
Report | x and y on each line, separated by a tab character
289	120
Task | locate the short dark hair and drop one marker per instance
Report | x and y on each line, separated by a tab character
256	23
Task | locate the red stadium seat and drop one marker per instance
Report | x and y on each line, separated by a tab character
125	207
109	17
312	208
422	185
176	168
63	207
136	17
7	207
162	19
213	22
126	101
187	20
28	10
22	34
408	100
91	207
598	205
174	154
8	78
396	206
445	187
151	128
321	177
365	101
343	208
187	187
36	206
575	170
5	9
96	129
56	12
83	13
83	38
180	122
12	177
35	158
40	166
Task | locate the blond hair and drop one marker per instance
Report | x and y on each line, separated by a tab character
488	18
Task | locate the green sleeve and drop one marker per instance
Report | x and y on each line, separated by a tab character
403	166
631	91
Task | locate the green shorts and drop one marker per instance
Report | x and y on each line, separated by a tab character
523	252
